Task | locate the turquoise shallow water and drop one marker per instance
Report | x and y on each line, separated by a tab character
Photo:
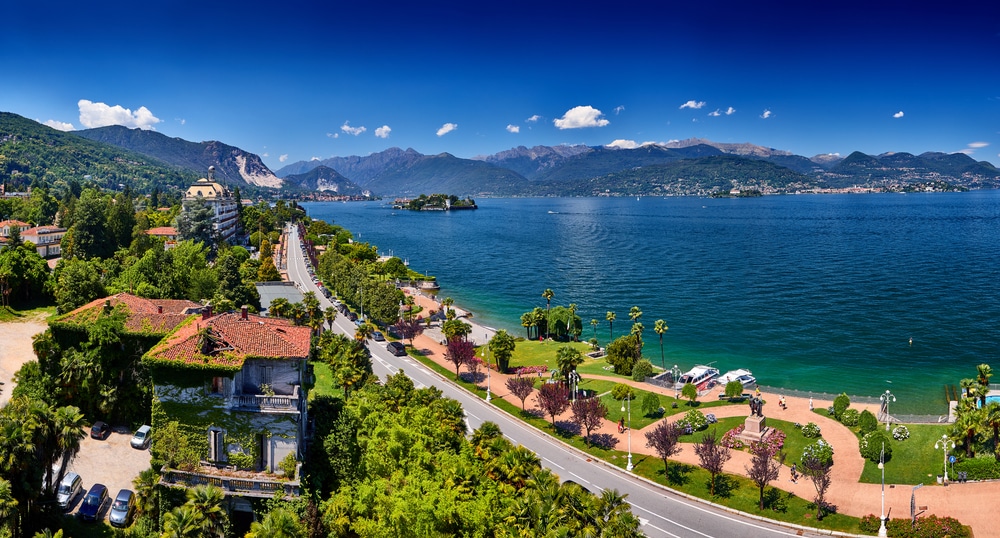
809	292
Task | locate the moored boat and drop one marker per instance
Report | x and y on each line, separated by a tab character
743	376
700	376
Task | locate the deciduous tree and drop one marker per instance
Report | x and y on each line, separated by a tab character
763	468
818	471
664	439
712	457
521	387
502	347
460	352
553	399
588	413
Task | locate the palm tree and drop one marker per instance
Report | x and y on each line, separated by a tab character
969	386
68	426
8	504
446	303
182	522
330	315
634	314
145	491
966	428
568	358
659	328
991	419
207	500
984	373
571	328
610	316
548	294
278	523
364	331
526	322
538	317
279	308
593	325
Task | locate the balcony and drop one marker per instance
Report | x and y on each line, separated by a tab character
258	486
266	403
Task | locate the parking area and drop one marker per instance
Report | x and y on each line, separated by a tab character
112	462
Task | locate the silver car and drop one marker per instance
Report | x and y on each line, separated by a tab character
69	488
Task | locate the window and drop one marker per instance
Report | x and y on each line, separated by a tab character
216	444
218	385
264	374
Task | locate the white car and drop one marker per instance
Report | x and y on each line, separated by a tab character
69	488
140	439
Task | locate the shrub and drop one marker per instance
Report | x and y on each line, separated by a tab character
867	422
810	431
684	426
734	390
696	419
900	433
641	370
287	465
776	441
731	438
987	468
840	404
926	527
850	417
871	445
621	391
241	460
710	418
821	450
650	404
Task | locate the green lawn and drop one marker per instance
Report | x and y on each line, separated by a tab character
914	461
535	353
324	385
42	313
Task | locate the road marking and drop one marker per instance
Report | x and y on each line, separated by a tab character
553	463
579	477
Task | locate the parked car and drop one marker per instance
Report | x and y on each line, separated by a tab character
122	509
100	430
90	510
378	337
352	316
69	488
396	348
140	439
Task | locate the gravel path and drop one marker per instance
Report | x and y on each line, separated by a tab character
16	350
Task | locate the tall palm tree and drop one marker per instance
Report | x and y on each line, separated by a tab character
69	425
610	316
446	303
538	317
568	358
526	322
983	374
548	294
571	329
278	523
364	331
966	428
659	328
145	491
593	325
991	420
330	315
8	504
969	386
182	522
634	314
207	500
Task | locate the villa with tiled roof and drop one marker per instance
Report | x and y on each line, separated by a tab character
147	319
235	381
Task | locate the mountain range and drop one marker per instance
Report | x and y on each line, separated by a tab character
686	167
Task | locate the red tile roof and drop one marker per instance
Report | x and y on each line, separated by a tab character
162	231
233	340
144	315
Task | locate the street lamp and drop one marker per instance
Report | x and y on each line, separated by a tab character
574	383
885	405
881	465
628	399
488	396
362	301
945	444
675	374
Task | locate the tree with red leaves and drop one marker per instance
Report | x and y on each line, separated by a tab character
712	457
409	329
553	399
763	467
460	351
522	387
588	413
664	439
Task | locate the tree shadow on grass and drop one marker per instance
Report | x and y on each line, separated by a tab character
677	473
606	441
724	486
473	377
531	412
567	428
776	500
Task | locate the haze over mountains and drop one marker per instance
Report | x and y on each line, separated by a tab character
687	167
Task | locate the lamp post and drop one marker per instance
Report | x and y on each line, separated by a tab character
881	465
628	399
885	405
362	301
675	374
574	383
488	396
944	444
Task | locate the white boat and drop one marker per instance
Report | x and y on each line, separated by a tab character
699	376
743	376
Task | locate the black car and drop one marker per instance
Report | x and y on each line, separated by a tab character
396	348
90	510
100	430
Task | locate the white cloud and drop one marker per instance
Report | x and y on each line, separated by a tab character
693	104
579	117
352	130
967	151
383	131
181	121
513	128
533	119
265	154
619	109
623	144
333	135
58	125
766	114
283	158
898	114
730	111
977	145
101	115
315	159
715	113
447	128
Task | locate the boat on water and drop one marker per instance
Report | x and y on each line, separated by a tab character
700	376
743	376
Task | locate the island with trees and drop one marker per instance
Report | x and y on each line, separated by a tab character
435	202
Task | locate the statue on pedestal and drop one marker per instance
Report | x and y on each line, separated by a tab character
756	406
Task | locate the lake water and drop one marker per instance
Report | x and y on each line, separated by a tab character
817	293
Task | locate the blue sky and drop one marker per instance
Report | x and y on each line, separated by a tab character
294	80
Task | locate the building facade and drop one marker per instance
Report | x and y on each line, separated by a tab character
225	216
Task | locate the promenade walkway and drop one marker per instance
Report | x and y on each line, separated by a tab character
970	503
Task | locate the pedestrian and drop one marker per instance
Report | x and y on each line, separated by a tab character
621	425
810	403
781	401
795	474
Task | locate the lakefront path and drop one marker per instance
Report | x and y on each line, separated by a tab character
970	503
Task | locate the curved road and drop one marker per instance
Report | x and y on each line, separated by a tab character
662	512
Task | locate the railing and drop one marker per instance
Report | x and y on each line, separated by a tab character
249	487
283	402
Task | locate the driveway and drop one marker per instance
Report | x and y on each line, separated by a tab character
112	462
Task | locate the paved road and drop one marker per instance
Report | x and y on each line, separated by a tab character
663	513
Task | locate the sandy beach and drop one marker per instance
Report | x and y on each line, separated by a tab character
16	350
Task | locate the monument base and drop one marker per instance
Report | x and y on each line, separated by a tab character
754	429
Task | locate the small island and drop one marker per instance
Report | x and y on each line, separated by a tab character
435	202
